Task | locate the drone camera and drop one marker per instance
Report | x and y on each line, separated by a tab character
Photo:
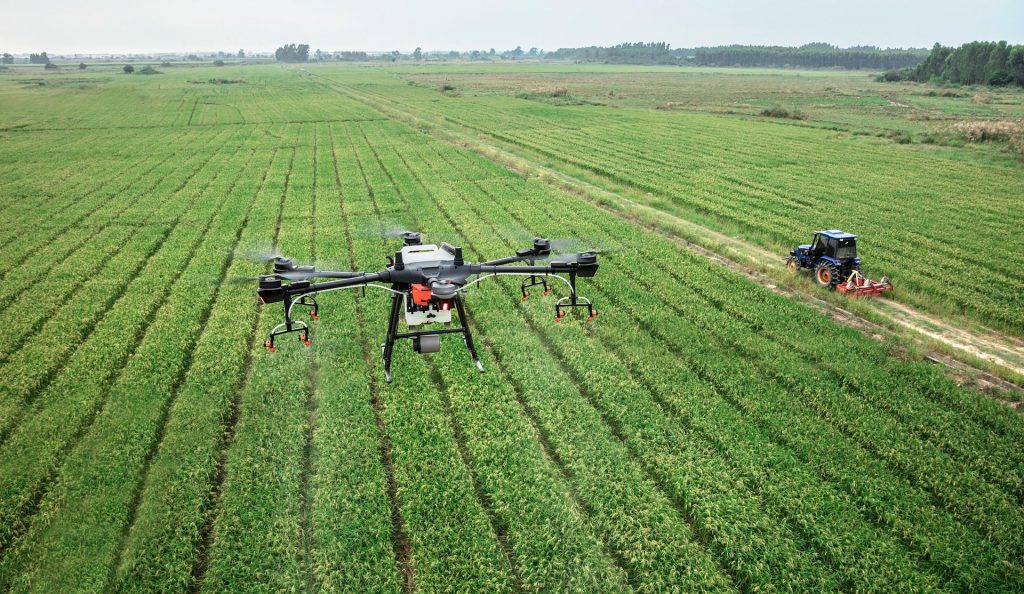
430	343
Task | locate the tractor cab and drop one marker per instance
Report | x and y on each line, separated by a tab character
835	245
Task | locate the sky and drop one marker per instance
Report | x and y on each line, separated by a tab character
144	26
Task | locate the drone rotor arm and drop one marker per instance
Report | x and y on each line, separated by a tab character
344	280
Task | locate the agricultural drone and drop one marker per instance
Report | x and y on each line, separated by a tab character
427	282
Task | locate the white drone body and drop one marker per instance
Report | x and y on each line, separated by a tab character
419	308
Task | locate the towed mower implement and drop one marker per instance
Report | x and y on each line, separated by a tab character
857	285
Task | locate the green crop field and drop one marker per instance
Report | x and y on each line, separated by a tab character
703	433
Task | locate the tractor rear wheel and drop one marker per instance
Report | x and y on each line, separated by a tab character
791	265
827	275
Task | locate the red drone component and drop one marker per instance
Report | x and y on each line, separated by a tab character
421	295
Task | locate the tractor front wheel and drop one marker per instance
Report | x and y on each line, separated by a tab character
791	265
826	275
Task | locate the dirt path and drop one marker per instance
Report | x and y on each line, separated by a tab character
968	353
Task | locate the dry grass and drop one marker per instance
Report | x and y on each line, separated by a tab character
1009	131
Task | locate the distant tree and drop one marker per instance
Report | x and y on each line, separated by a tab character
320	55
417	54
218	62
40	58
348	56
1015	64
518	52
454	55
292	53
978	62
475	54
128	69
492	51
82	66
149	70
192	58
533	52
241	54
7	58
395	55
50	66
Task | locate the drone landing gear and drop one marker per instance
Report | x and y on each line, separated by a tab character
565	304
290	325
533	281
424	341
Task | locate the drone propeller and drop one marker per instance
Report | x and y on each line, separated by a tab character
261	254
573	257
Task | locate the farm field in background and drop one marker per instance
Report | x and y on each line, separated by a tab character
702	434
938	221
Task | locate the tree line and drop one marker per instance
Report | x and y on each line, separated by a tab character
994	63
811	55
641	52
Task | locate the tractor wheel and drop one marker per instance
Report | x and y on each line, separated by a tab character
826	275
791	265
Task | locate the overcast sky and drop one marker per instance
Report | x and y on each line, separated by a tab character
100	26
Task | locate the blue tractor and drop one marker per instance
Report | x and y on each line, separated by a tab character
832	255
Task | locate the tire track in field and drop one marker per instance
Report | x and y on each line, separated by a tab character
108	305
550	453
460	439
179	380
497	525
399	532
399	539
32	506
202	562
497	529
699	535
308	465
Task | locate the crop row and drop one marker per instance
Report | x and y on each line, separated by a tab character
663	322
87	297
134	332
